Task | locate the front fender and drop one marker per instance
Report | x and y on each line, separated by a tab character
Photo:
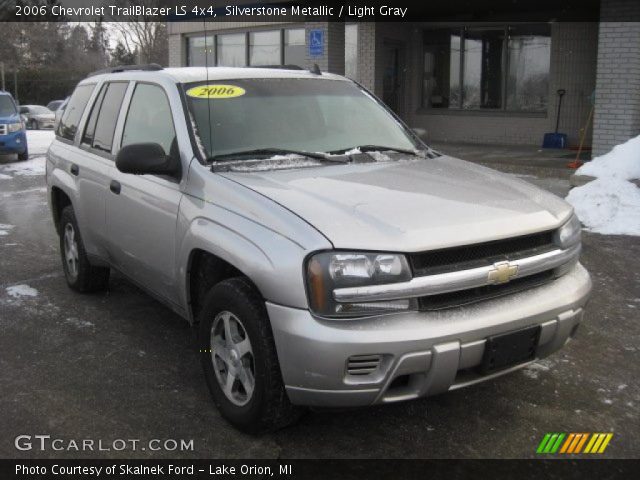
273	262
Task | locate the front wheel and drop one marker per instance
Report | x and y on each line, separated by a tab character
23	156
239	359
33	124
80	274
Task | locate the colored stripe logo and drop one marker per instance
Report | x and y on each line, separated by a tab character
574	443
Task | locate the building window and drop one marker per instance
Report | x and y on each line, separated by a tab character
199	53
494	68
271	47
264	48
231	50
295	47
351	51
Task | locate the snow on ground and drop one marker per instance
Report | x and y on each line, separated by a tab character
611	203
17	291
4	229
38	142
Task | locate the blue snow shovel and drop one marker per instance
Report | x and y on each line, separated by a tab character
556	140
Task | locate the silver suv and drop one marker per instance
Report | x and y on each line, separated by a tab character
326	255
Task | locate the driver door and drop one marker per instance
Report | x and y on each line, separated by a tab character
142	210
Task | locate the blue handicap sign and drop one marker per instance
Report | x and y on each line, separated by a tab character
316	43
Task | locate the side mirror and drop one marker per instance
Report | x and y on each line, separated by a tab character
146	158
420	132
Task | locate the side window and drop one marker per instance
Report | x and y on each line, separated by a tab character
72	113
108	115
149	118
90	128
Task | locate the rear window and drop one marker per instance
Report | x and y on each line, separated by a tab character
72	114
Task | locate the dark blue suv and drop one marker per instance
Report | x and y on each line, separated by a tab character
13	138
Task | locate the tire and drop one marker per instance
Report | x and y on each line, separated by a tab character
267	408
79	273
23	156
33	124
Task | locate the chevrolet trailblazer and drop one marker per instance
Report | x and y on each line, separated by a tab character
326	255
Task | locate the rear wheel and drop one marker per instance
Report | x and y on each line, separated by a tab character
239	359
80	274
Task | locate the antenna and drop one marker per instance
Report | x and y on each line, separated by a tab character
209	103
315	69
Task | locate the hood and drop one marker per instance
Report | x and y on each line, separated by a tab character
410	205
44	116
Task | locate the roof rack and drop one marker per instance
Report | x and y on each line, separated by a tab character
279	67
150	67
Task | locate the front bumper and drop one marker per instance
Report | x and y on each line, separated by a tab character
13	143
421	353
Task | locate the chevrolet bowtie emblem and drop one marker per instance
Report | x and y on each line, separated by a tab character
502	272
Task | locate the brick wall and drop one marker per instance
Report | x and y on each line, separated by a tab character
617	115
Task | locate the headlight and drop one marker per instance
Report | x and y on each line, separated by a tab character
15	127
569	234
327	271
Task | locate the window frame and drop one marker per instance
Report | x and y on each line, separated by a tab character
87	114
82	119
129	99
461	30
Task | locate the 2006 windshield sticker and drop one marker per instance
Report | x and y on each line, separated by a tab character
216	91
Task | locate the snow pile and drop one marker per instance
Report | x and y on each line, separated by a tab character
5	177
611	203
4	229
17	291
38	141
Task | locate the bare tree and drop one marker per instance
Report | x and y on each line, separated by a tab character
145	36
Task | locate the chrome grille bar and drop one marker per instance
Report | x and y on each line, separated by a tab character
455	281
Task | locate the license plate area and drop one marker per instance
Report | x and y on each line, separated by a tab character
508	349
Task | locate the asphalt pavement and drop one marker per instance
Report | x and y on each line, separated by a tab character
119	365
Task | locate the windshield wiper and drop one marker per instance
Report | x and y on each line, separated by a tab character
272	151
373	148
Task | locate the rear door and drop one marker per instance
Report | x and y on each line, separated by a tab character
142	210
92	163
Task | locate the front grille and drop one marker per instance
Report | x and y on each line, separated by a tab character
473	295
360	365
480	254
3	129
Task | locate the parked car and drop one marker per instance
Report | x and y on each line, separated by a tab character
325	254
38	117
59	111
12	135
54	105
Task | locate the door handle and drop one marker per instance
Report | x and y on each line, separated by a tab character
75	170
115	187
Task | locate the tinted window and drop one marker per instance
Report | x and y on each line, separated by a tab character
149	118
108	115
90	128
73	111
7	107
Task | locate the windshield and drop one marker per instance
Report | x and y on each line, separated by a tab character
7	107
310	115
